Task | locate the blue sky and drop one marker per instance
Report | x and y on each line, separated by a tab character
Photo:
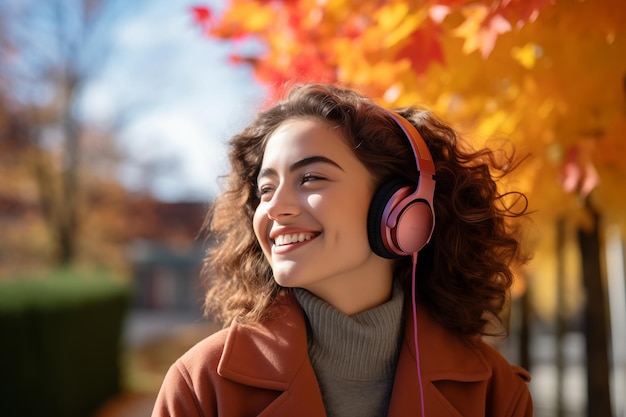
179	97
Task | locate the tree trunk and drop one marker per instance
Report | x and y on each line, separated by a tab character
560	328
70	222
525	338
596	320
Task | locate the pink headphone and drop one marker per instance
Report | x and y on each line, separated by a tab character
401	218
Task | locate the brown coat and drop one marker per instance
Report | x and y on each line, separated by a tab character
264	370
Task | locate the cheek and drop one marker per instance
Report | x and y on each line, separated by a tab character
313	201
356	211
260	223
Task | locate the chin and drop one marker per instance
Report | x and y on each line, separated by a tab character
288	280
284	280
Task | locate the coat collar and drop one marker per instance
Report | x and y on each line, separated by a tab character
273	355
443	354
443	357
268	354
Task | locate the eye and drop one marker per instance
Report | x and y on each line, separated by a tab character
264	190
309	177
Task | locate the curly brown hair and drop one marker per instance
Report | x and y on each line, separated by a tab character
463	274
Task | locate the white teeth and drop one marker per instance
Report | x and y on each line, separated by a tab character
292	238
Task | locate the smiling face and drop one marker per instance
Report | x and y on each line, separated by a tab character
311	221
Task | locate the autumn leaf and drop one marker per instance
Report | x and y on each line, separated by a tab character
397	22
201	16
480	29
578	174
244	20
526	55
423	48
520	12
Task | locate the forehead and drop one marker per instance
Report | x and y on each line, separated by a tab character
297	138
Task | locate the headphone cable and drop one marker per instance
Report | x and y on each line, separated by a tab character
417	351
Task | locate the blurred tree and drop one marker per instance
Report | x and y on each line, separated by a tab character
495	68
27	241
50	51
546	74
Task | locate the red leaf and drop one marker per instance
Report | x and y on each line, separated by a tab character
423	48
202	16
578	174
237	59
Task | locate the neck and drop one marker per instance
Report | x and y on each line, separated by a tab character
353	295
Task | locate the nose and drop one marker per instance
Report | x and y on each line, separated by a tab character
283	203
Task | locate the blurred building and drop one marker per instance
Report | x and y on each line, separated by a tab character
166	255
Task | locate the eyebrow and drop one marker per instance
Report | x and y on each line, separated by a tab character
301	163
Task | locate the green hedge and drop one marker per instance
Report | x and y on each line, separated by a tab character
60	345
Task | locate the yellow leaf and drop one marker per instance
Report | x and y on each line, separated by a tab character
480	29
249	17
469	29
526	55
398	22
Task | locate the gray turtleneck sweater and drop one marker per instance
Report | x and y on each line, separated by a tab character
354	357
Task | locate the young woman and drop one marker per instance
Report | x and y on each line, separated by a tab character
315	271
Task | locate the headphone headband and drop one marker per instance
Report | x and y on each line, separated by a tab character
424	161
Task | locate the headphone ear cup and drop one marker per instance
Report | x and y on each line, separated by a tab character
381	202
